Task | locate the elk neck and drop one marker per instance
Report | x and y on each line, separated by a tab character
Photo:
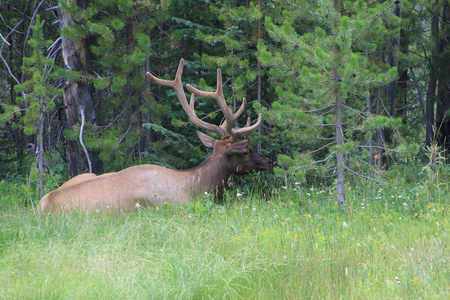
213	172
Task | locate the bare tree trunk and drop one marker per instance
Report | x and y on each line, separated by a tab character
391	89
369	113
379	133
77	95
40	150
429	113
432	82
340	160
339	143
443	104
393	62
258	69
258	98
404	76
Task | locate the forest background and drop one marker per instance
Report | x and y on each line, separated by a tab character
347	88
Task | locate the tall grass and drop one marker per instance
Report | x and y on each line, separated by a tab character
390	243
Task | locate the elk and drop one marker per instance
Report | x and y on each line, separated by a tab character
150	185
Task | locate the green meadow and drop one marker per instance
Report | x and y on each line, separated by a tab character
291	242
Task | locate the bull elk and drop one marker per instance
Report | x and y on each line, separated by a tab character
148	185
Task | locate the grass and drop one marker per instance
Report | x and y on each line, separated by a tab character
390	243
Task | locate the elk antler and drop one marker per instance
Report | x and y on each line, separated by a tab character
230	119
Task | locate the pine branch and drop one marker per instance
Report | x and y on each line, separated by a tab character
309	12
316	162
362	176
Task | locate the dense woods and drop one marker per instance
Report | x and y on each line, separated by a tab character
346	88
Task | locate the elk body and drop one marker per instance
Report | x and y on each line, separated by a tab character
148	185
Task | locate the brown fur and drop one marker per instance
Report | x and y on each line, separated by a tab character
149	185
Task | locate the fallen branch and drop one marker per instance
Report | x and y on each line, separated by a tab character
81	140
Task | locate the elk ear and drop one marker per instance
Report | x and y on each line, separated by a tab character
238	147
206	139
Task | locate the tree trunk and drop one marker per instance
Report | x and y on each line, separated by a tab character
40	150
391	89
369	113
340	160
432	82
403	79
258	98
443	104
77	95
339	143
379	133
393	62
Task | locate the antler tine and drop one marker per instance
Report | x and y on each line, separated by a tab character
217	95
177	86
247	129
241	109
228	125
170	83
211	127
230	118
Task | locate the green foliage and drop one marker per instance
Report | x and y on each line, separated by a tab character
311	67
288	50
36	99
37	93
380	122
232	47
172	150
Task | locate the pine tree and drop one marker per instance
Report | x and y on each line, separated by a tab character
323	76
38	94
16	19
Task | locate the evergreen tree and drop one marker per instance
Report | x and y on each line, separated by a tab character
323	76
38	94
15	30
